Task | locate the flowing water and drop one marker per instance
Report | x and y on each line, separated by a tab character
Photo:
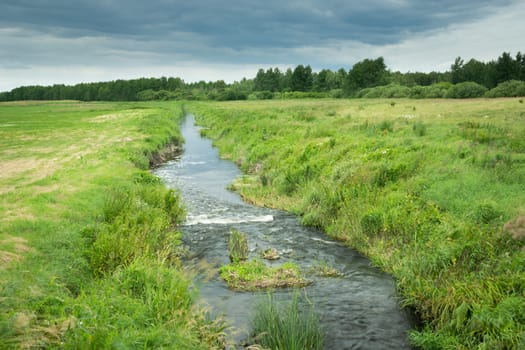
358	310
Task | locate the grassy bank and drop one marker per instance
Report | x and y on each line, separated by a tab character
432	191
88	237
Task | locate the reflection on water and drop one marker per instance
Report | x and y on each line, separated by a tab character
358	310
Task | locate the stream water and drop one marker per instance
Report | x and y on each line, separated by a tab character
358	310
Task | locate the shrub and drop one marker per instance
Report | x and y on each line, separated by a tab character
510	88
292	326
386	91
438	90
467	89
238	246
137	221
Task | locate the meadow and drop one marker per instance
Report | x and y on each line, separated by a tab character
89	247
432	191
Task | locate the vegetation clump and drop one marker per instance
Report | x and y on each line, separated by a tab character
324	269
238	246
292	325
256	275
271	254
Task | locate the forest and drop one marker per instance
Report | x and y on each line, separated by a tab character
369	78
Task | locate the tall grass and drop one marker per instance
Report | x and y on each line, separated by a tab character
292	325
91	238
238	246
429	190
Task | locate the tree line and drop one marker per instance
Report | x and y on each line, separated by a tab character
367	78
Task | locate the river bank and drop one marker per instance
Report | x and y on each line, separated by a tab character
358	306
431	191
89	245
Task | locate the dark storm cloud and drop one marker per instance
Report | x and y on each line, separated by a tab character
243	24
50	41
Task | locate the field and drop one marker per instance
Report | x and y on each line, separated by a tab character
433	191
88	239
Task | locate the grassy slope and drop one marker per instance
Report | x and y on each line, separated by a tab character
87	239
423	187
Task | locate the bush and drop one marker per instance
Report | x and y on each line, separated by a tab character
386	91
438	90
136	222
260	95
144	305
510	88
467	89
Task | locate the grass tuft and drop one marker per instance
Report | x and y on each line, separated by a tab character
238	246
292	325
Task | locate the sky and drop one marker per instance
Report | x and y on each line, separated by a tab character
45	42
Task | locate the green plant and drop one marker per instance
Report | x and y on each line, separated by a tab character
510	88
466	90
292	326
372	223
238	246
255	275
485	213
324	269
419	128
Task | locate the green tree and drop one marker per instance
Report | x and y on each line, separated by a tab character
302	78
365	74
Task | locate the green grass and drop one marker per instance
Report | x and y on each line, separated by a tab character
432	191
88	237
255	275
292	325
238	246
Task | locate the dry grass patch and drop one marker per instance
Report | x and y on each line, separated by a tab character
15	248
6	258
516	227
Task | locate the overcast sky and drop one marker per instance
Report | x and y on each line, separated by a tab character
69	41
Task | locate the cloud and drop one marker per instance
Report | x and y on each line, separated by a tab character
242	23
48	41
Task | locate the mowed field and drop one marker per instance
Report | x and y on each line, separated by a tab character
88	239
433	191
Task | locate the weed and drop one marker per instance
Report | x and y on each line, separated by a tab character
386	125
372	223
293	326
485	213
238	246
419	128
324	269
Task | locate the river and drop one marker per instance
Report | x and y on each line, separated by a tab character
358	310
